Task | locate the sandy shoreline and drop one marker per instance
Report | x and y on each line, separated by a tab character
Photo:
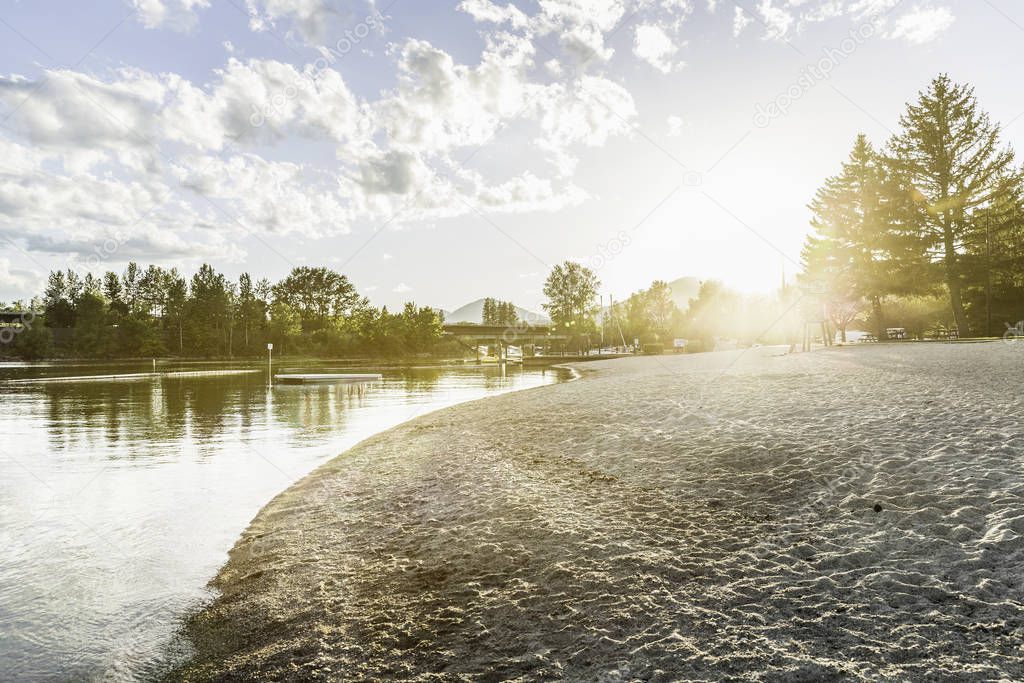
693	517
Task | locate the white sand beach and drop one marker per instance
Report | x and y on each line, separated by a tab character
854	513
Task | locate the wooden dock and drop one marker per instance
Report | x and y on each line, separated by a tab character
133	376
328	377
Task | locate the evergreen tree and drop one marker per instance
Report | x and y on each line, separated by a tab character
950	151
59	309
488	317
862	248
993	262
248	307
208	309
176	306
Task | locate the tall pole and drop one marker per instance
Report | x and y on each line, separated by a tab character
611	303
988	278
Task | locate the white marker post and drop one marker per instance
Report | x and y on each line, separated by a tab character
270	362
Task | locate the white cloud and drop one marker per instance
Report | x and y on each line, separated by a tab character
317	21
777	20
487	11
273	197
163	162
921	25
80	213
675	126
740	20
88	119
18	282
653	45
402	288
178	15
783	18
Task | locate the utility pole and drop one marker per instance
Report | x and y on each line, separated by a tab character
611	307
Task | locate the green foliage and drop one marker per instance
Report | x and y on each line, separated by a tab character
950	152
92	333
922	316
941	212
862	249
152	312
34	341
649	315
571	291
318	295
421	327
499	312
208	313
285	326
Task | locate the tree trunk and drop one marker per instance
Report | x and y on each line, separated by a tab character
957	304
181	342
876	308
842	333
953	282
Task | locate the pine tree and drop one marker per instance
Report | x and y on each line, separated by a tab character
994	260
488	317
950	151
863	249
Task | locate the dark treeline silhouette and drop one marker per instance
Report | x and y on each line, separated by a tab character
158	312
926	233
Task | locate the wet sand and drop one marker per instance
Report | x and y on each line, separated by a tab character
852	513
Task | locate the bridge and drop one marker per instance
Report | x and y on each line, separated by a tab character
9	318
503	336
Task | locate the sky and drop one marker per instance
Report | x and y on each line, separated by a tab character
440	152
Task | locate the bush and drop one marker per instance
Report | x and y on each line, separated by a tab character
695	346
653	349
33	342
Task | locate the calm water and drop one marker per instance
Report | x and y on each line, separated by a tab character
120	499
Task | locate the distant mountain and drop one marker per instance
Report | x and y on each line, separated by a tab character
684	289
473	312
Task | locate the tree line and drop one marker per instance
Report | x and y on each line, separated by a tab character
156	311
927	232
496	312
651	318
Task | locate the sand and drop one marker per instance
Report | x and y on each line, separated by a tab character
854	513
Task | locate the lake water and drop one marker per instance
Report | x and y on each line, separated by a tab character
119	499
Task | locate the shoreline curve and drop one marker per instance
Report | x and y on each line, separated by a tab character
851	513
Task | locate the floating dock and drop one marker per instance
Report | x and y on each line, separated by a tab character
133	376
328	377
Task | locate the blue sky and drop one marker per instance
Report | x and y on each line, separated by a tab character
443	151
